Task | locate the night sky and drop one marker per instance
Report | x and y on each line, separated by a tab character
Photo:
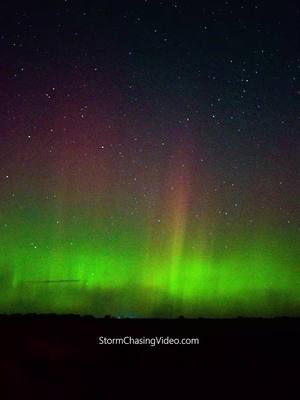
149	158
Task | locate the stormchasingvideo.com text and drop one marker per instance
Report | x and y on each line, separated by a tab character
148	341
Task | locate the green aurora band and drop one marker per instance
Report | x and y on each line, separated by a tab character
153	272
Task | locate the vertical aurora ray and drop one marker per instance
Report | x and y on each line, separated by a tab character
177	213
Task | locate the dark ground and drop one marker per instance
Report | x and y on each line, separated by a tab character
62	353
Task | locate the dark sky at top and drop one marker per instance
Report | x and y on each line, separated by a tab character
215	80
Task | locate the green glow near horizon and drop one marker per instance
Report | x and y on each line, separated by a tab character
128	274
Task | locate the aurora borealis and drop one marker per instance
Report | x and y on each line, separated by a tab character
149	158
